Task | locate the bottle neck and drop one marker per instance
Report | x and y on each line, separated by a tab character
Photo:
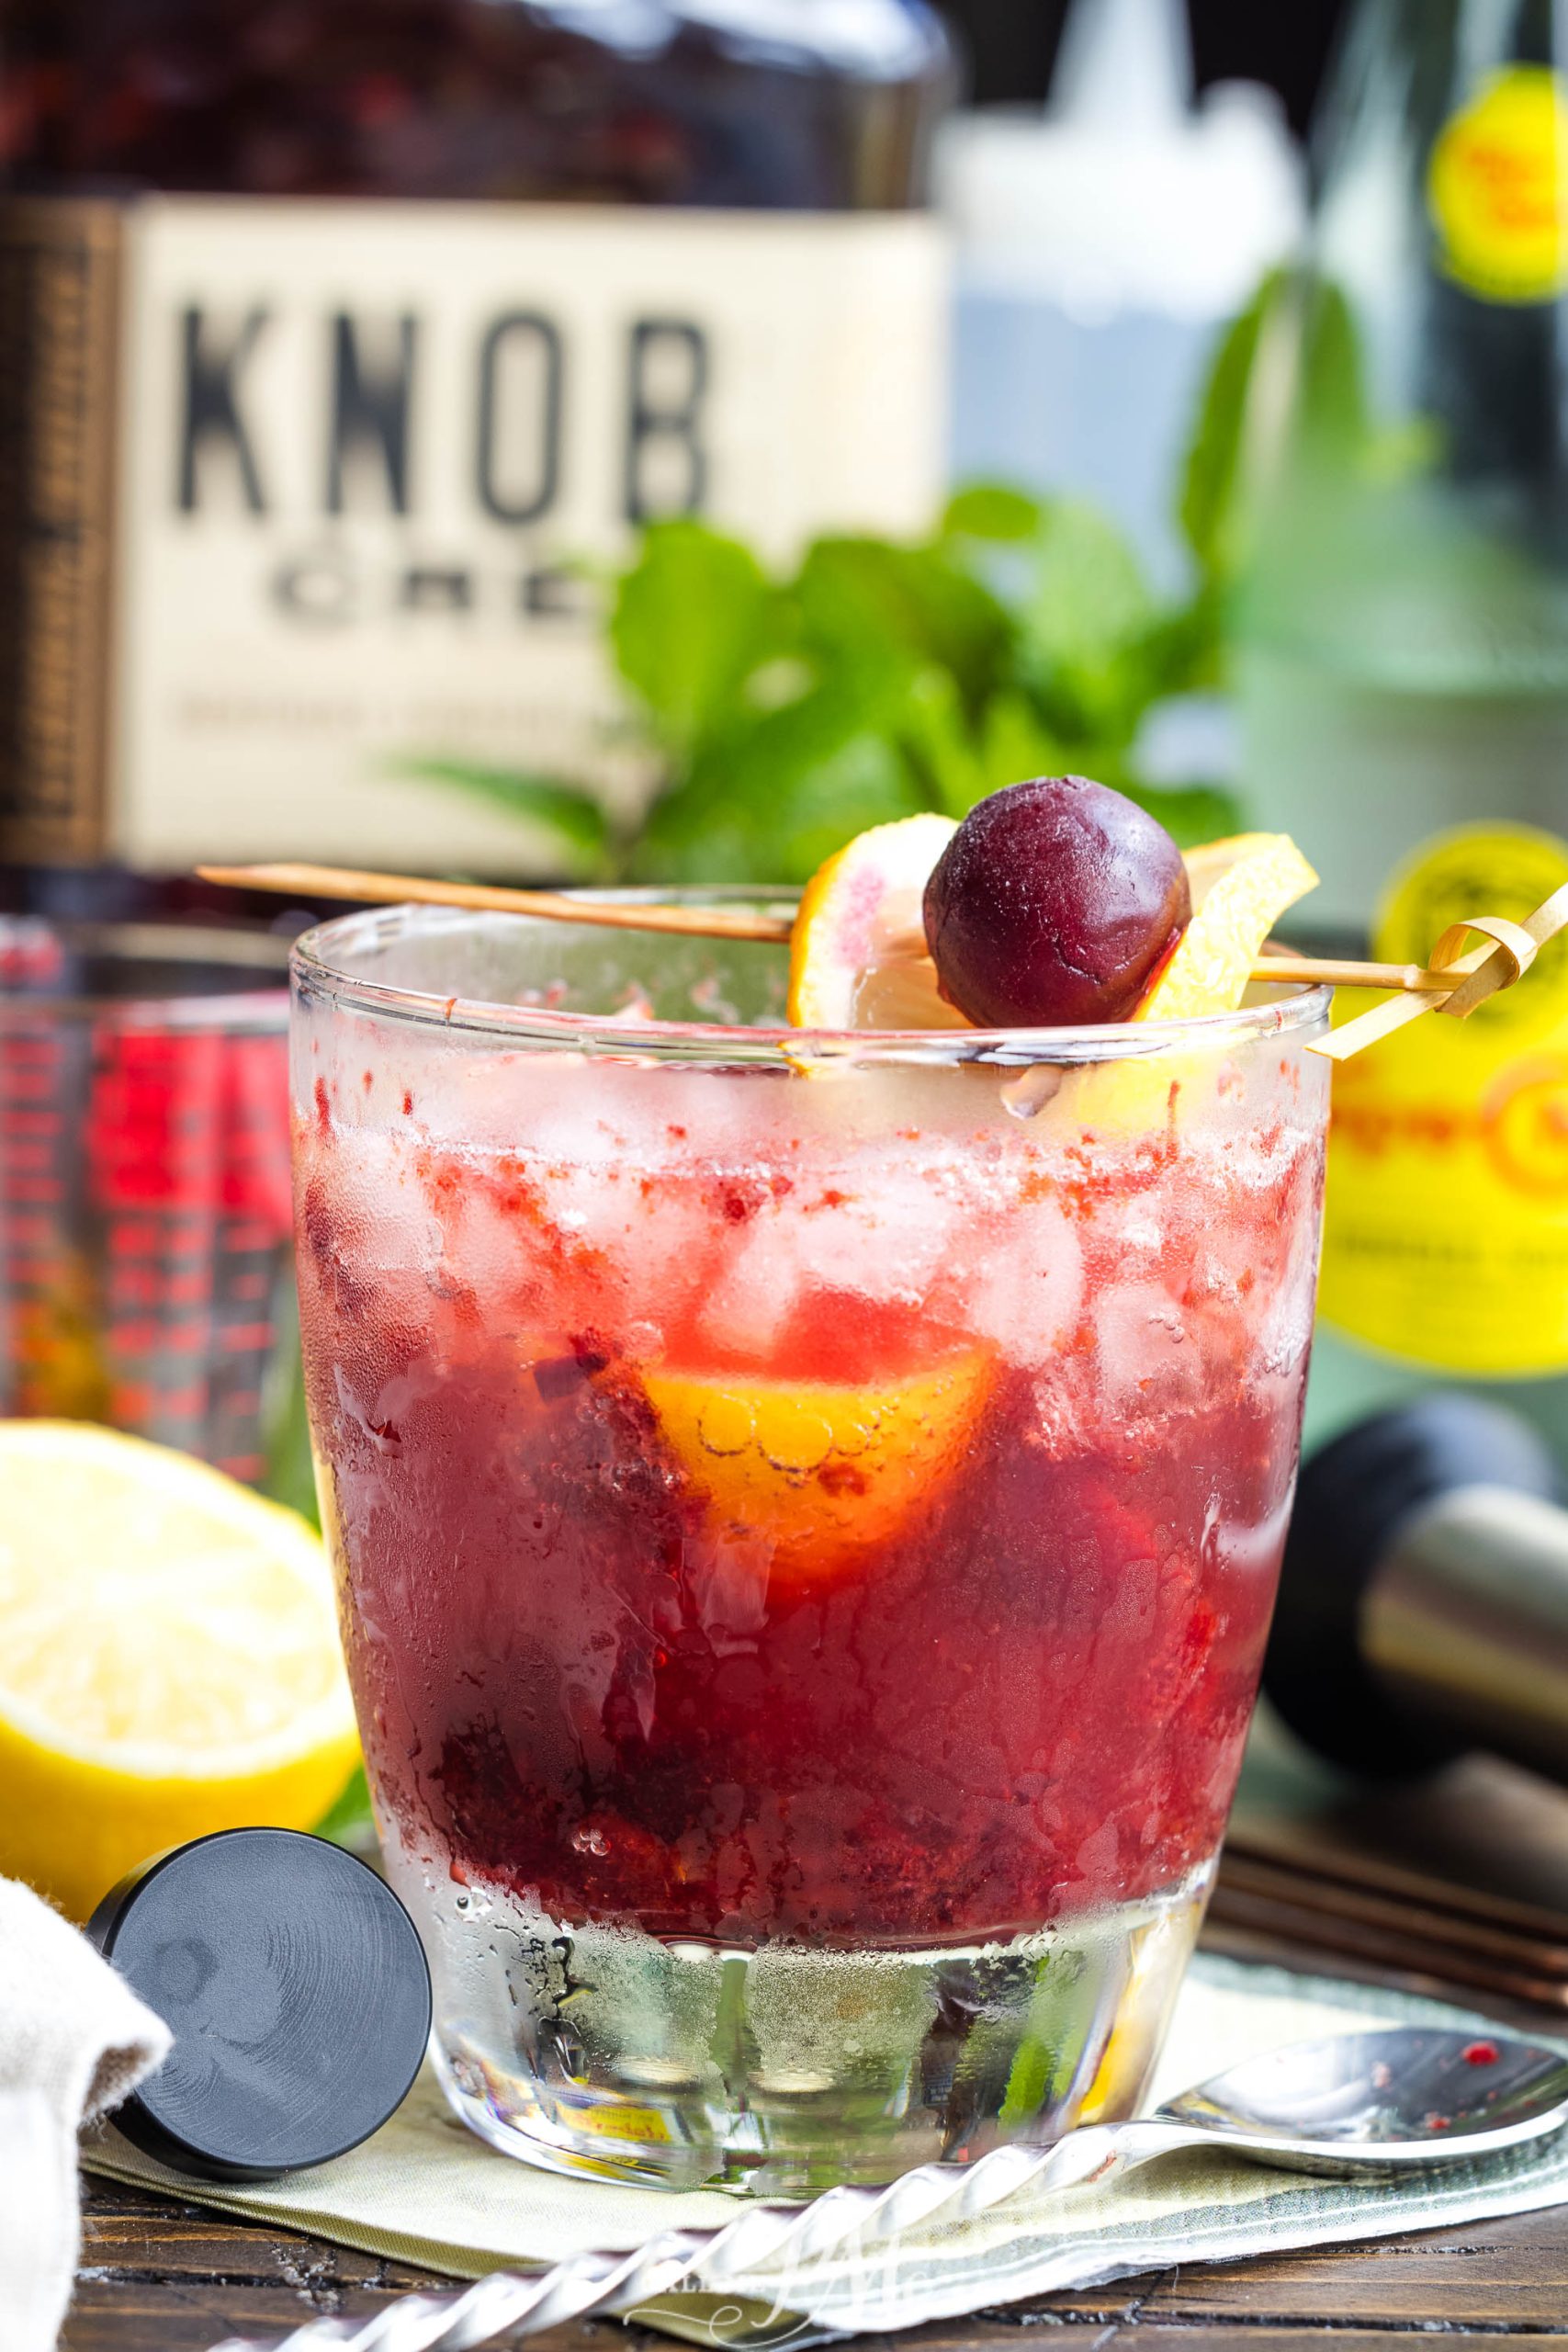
742	104
1465	1621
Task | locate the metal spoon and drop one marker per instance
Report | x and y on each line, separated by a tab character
1358	2104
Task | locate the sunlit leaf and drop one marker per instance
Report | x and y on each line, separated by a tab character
867	606
994	511
692	618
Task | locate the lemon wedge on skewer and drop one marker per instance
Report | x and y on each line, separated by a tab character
1240	888
857	957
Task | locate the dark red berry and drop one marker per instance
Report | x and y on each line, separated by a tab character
1054	903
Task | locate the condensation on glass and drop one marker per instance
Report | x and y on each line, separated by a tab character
807	1513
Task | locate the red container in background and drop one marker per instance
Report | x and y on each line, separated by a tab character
146	1274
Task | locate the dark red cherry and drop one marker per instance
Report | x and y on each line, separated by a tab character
1054	903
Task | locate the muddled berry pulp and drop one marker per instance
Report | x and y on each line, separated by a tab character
749	1528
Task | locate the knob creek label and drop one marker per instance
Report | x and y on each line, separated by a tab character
292	491
1447	1234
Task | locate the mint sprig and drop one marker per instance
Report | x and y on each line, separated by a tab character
784	710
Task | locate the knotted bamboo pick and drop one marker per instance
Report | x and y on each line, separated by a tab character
1476	974
695	921
1454	981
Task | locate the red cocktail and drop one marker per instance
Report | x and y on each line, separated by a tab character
807	1514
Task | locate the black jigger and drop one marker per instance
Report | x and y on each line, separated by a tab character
296	1990
1423	1604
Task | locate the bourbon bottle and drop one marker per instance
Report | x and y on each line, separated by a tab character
339	340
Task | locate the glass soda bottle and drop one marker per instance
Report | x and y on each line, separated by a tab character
1404	674
1405	623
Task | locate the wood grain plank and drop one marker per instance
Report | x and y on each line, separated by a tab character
163	2319
183	2279
1495	2275
130	2231
112	2314
162	2274
1131	2333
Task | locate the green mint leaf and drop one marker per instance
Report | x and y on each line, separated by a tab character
938	746
1191	813
1312	328
1015	744
778	796
692	618
1183	651
1089	598
869	609
350	1822
957	767
993	511
1336	421
1211	471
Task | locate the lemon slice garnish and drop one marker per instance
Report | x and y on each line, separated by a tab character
1240	888
857	956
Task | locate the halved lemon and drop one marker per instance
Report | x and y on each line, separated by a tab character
814	1475
857	954
169	1659
1240	888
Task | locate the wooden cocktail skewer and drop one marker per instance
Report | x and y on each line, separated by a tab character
420	889
712	922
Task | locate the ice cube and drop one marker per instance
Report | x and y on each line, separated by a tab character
886	1241
378	1204
653	1229
758	1284
1150	1359
888	1237
1284	1328
1028	1295
1064	1421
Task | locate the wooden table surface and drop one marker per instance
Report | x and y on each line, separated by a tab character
161	2276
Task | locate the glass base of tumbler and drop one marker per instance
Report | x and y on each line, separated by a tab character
779	2071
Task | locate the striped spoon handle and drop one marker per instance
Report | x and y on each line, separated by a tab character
604	2283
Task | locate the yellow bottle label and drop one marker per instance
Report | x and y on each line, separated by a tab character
1497	187
1447	1234
617	2120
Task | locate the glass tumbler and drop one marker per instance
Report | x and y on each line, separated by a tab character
806	1512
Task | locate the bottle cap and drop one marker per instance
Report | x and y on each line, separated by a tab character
296	1990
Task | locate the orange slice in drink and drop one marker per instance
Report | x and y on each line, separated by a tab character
1240	888
857	955
818	1474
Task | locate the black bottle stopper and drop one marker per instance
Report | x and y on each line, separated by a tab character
1424	1602
296	1990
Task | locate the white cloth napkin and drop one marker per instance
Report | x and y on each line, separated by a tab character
74	2040
426	2189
